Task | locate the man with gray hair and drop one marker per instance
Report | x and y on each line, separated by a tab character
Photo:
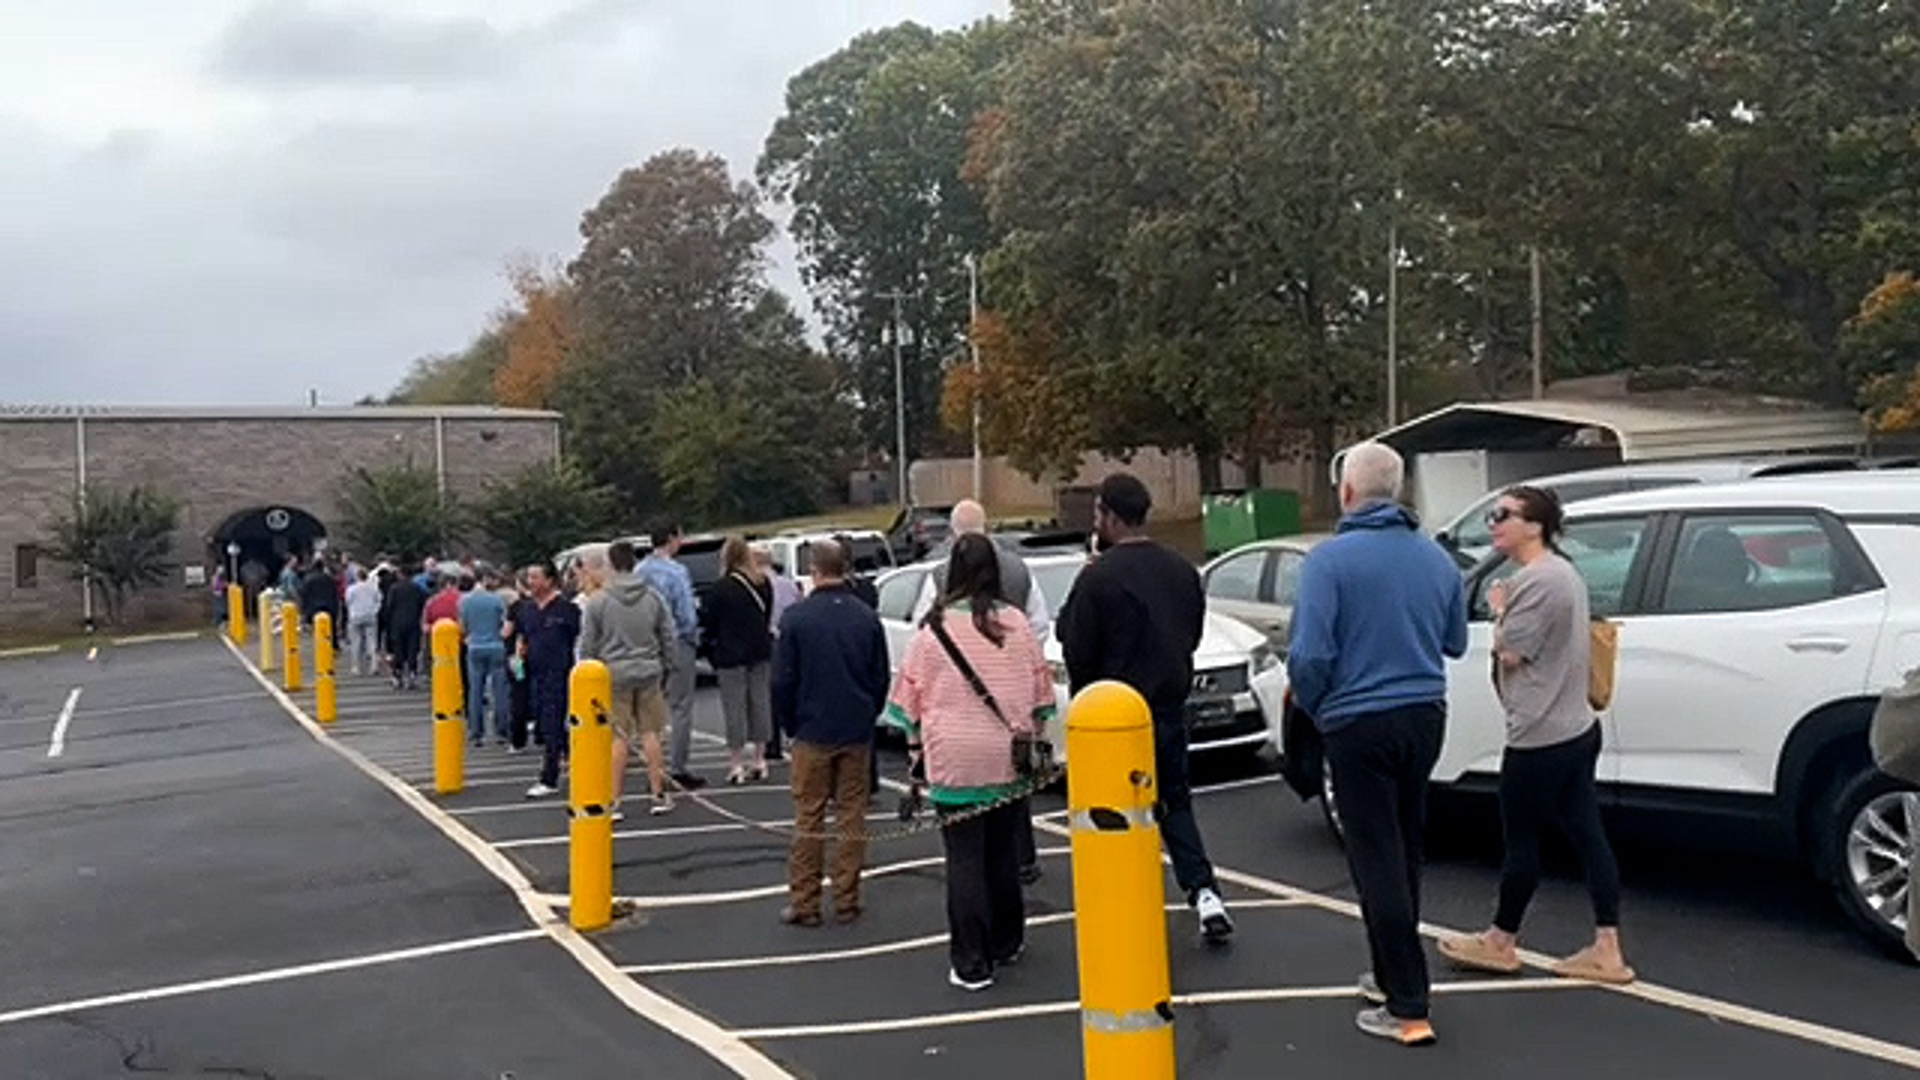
1379	609
1017	586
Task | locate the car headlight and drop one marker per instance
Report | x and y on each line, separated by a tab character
1263	659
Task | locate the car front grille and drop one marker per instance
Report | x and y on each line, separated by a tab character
1219	682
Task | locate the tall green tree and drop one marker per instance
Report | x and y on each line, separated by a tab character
869	154
462	378
398	510
117	540
544	508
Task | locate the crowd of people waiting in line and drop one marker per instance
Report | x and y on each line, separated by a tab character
1380	609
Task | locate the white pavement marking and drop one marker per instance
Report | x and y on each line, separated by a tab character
507	808
883	949
145	706
766	892
92	653
670	1016
255	978
1057	1008
59	744
675	830
31	650
1653	993
149	639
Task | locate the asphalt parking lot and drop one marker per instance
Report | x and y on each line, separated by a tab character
193	830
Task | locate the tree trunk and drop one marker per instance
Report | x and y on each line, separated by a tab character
1208	459
1324	493
1252	471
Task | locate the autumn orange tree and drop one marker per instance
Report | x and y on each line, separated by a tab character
1885	336
539	335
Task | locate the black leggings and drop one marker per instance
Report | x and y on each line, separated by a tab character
1547	785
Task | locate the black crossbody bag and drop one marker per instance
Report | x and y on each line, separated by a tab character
1032	755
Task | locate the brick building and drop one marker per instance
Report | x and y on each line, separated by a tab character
264	480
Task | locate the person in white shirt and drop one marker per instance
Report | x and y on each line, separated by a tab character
363	624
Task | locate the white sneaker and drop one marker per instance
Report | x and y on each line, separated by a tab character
541	791
971	986
662	804
1215	923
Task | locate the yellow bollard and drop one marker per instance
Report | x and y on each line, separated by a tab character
449	727
237	614
269	633
326	700
290	677
1119	890
590	796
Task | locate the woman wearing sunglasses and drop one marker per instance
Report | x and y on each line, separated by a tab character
1542	651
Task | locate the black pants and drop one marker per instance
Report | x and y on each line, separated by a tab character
403	643
986	919
1178	829
1548	785
1381	762
548	693
519	709
1023	845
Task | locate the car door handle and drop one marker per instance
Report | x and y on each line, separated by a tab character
1817	643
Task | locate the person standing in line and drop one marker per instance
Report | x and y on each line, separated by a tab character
739	607
786	591
1379	610
963	741
444	604
858	580
626	625
829	686
290	579
548	627
318	593
668	577
483	627
1543	649
405	613
1135	616
363	624
1017	588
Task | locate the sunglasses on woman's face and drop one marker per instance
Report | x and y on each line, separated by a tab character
1502	513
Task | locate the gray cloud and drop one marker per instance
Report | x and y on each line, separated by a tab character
335	224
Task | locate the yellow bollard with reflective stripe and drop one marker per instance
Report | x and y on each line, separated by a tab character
237	614
449	726
590	796
290	677
1119	891
269	633
326	701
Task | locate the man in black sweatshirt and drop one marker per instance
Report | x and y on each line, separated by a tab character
1135	616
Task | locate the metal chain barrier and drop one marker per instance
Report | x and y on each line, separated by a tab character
914	823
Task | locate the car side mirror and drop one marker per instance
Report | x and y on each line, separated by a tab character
1445	539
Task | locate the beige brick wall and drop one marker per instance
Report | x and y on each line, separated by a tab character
217	468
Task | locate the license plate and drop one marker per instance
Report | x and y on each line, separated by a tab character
1209	713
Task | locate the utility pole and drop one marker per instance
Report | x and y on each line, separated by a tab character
899	394
973	346
1393	321
1539	329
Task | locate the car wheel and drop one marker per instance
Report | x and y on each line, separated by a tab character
1873	836
1329	803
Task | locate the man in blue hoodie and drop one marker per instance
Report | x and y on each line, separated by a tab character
1379	610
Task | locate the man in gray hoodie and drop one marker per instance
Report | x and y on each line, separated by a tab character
627	626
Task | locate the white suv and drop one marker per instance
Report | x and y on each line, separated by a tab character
1759	622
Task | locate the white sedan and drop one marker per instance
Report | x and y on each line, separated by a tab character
1238	687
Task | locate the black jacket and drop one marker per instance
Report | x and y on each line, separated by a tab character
405	606
737	622
1135	616
319	592
831	674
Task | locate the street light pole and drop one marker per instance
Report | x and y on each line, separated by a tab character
973	347
899	396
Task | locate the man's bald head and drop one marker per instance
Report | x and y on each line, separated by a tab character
968	517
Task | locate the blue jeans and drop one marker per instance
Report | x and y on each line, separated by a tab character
487	685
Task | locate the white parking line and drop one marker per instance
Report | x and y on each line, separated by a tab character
1058	1008
59	744
150	639
1653	993
507	808
768	892
691	1026
672	830
883	949
143	707
255	978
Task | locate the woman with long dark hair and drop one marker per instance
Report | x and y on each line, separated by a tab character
964	739
1542	650
739	613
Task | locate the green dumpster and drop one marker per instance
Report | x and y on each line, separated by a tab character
1233	518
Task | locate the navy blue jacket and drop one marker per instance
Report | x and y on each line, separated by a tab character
830	673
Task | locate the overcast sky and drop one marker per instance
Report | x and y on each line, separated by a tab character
209	201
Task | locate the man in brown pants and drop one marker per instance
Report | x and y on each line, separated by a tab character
829	684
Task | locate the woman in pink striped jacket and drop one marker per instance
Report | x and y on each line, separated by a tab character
965	742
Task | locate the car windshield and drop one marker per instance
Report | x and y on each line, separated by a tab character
702	561
1056	582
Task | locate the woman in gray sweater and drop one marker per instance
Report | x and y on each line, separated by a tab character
1542	651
